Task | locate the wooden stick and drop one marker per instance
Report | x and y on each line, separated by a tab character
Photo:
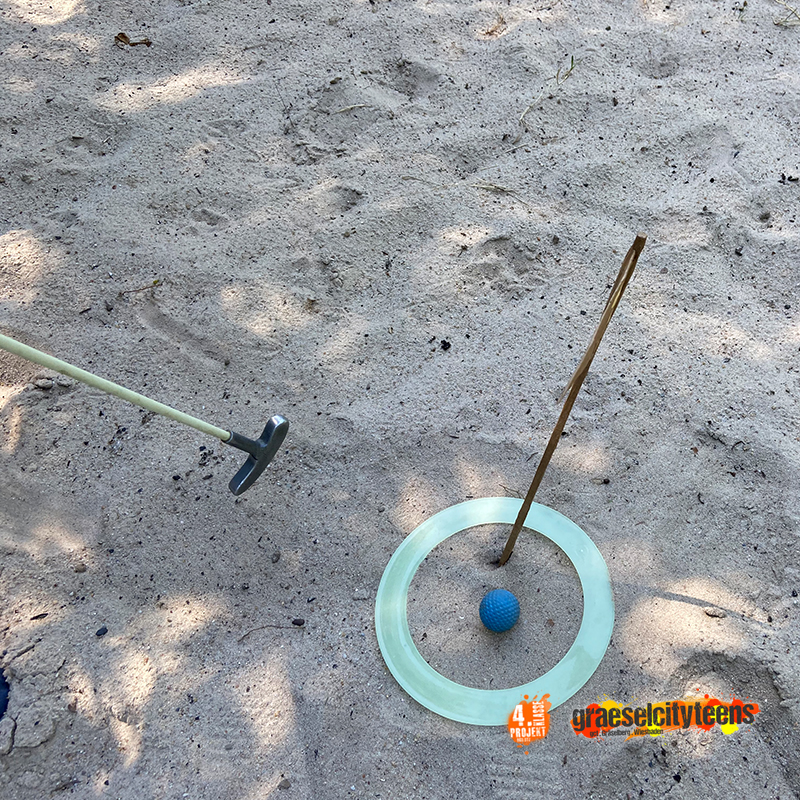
574	387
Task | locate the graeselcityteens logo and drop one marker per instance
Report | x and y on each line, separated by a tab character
613	719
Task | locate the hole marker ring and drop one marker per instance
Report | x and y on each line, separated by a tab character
492	706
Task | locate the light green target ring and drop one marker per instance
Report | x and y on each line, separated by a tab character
492	706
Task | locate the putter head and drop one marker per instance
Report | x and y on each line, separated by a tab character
260	452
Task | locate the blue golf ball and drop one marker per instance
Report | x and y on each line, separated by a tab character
499	610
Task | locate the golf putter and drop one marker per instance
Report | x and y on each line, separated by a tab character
259	451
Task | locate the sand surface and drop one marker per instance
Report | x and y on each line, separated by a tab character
395	223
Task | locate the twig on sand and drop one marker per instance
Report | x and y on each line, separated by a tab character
496	189
121	39
153	285
573	387
286	108
263	627
352	108
559	79
497	28
484	186
791	20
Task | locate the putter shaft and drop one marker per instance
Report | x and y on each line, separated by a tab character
109	387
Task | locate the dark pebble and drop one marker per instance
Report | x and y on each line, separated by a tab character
102	631
284	784
445	344
299	622
276	558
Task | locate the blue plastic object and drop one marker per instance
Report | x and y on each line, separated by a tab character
499	610
4	689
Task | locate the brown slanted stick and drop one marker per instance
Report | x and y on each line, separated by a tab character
574	387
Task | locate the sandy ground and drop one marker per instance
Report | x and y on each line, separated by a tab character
396	224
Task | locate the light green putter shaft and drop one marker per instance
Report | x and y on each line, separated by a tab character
38	357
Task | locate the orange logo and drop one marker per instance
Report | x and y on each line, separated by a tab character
530	720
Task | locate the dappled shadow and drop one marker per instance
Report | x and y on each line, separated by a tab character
368	240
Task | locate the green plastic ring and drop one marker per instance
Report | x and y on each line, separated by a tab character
492	706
